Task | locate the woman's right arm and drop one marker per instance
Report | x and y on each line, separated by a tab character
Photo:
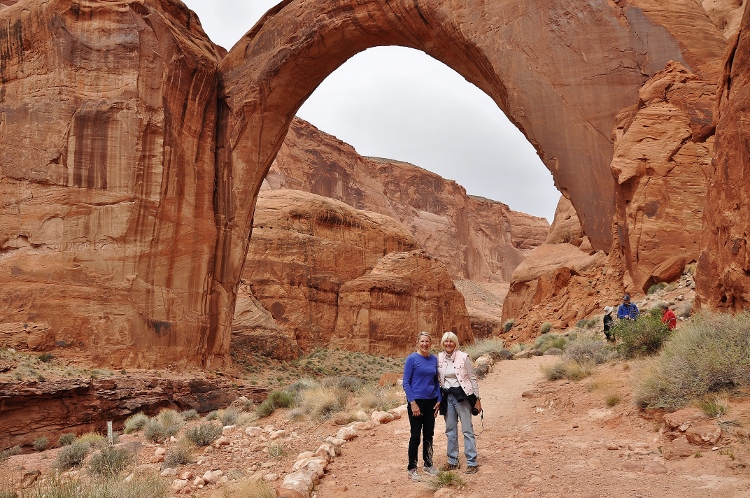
408	369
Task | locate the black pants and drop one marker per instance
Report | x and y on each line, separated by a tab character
423	425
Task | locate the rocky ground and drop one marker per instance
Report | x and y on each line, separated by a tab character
538	438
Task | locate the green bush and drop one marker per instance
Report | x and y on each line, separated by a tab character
110	461
229	417
203	434
56	486
5	454
545	328
66	439
547	341
508	324
212	415
93	439
641	337
277	399
568	369
41	443
45	357
72	455
709	354
136	422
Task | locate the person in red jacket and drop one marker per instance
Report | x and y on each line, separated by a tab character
668	317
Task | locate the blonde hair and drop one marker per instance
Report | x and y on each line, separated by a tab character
423	333
450	336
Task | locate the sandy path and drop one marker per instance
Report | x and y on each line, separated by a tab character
559	440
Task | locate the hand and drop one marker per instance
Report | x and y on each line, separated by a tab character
436	409
415	409
478	405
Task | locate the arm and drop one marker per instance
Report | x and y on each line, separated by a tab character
622	312
408	370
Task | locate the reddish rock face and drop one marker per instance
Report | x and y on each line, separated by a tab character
562	281
662	153
408	292
107	222
722	278
477	239
304	248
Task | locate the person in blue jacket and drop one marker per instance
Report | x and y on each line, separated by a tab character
627	310
423	402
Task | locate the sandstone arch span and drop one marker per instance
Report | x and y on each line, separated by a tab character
138	264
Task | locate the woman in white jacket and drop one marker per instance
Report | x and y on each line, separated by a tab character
459	384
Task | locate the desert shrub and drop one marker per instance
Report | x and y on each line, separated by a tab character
276	399
5	454
445	480
66	439
41	443
178	454
302	384
110	461
613	399
189	415
713	406
567	369
656	288
136	422
229	416
45	357
508	324
140	486
72	455
485	346
163	426
587	349
545	328
276	450
93	439
373	397
547	341
250	489
203	434
587	323
212	415
641	337
323	402
348	383
708	355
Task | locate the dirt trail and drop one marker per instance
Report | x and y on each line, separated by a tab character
540	438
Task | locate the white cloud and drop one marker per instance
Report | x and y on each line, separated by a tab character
401	104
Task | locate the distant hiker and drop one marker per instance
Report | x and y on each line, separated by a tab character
608	322
627	310
423	402
459	388
668	317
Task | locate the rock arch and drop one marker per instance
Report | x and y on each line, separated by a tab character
533	58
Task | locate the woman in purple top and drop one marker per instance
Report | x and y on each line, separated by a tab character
423	397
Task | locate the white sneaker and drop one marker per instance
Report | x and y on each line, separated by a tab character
414	475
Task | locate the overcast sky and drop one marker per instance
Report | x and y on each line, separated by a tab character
399	103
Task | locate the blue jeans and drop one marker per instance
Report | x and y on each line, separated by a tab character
460	411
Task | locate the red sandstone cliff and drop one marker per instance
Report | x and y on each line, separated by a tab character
477	239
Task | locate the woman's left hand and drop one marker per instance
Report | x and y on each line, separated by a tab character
437	409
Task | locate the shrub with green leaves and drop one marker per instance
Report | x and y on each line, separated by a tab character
163	426
508	324
482	347
109	461
656	288
72	455
641	337
545	328
445	480
41	443
5	454
66	439
190	415
587	349
136	422
203	434
568	369
710	354
548	341
276	399
229	416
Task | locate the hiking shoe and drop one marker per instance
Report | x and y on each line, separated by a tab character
414	475
431	470
472	469
449	466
